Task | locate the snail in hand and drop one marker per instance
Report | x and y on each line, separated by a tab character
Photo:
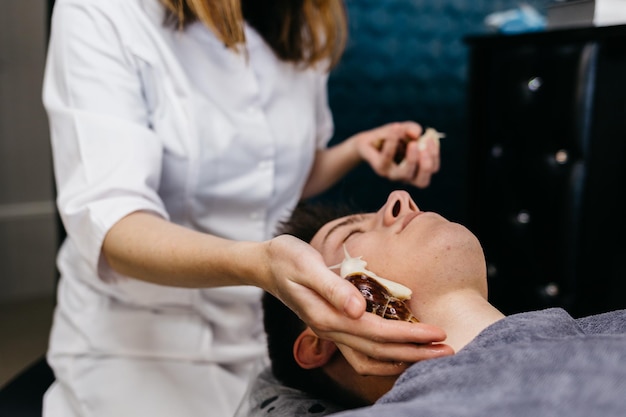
400	153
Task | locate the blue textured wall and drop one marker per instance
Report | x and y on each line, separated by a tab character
406	60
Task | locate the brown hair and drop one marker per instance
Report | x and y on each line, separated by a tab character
299	31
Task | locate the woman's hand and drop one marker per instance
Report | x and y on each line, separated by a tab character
335	310
384	149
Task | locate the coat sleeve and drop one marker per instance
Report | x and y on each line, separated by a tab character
107	160
325	123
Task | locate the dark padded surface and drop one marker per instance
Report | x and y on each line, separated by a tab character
23	395
549	182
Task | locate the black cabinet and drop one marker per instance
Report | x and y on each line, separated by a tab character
547	158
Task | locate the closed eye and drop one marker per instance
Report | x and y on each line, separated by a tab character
352	233
351	223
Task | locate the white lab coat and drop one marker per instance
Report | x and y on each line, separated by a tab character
144	117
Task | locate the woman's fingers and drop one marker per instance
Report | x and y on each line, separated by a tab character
400	152
340	293
367	366
309	287
379	331
382	340
422	160
386	355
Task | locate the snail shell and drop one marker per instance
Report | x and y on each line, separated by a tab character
384	298
379	301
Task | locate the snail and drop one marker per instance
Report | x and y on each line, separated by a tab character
401	148
384	297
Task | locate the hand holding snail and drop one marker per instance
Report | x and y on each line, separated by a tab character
402	151
335	310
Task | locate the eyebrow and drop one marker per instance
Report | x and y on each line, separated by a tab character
350	220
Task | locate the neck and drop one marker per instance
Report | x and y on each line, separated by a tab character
463	314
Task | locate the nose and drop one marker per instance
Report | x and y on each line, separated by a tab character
398	204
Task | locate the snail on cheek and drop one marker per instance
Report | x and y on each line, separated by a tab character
385	298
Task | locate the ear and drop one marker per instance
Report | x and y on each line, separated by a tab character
312	352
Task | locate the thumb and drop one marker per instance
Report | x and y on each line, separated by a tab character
343	296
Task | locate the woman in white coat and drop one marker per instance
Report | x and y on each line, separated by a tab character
182	132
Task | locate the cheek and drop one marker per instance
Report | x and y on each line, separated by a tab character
383	253
402	257
365	245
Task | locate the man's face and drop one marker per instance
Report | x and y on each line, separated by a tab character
421	250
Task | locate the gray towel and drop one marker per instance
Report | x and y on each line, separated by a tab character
267	397
542	363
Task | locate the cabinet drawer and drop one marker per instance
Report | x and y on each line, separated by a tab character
547	167
533	93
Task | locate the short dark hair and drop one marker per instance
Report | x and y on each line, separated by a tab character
310	215
283	326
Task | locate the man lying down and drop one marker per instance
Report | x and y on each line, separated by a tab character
540	363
